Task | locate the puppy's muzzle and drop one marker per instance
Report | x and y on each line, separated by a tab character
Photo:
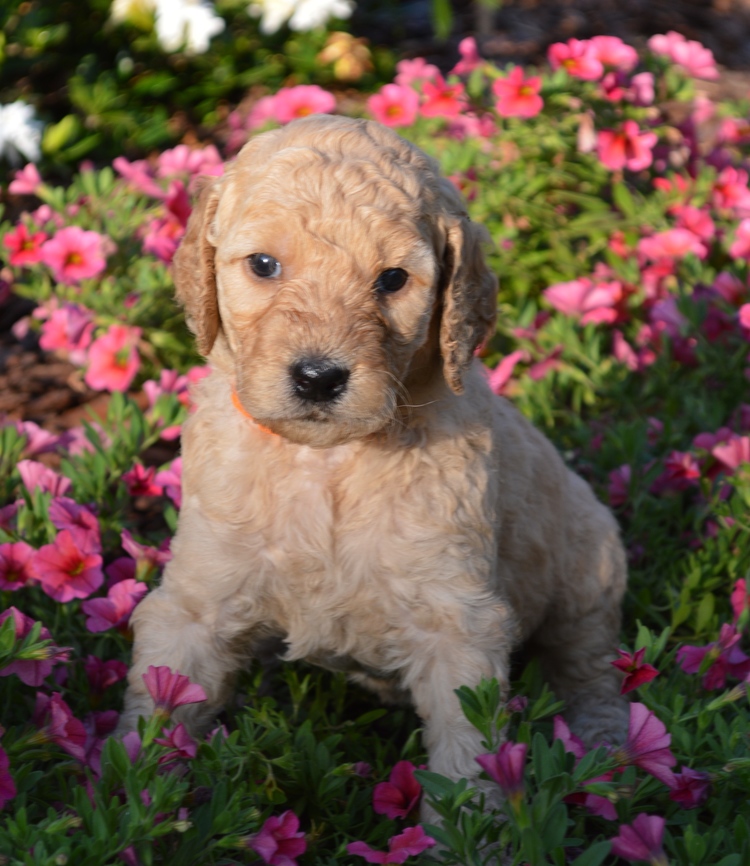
318	380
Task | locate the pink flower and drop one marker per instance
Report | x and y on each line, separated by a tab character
397	797
113	359
39	440
740	598
98	726
302	100
470	59
184	160
627	148
681	471
140	481
37	476
26	181
506	767
410	72
641	90
74	255
695	59
595	803
518	96
114	611
690	788
394	105
671	244
279	841
183	746
101	675
578	58
500	377
171	480
696	220
442	99
25	248
162	237
733	454
68	329
740	248
171	690
148	559
619	485
641	840
15	564
586	300
138	175
58	725
412	842
7	786
613	52
724	657
637	673
730	192
79	521
32	671
65	571
647	745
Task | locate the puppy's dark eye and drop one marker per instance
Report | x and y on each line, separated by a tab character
391	281
263	265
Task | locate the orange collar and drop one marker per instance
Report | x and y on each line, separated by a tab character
241	409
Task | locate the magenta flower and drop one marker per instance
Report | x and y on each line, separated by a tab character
35	475
74	255
301	101
279	841
101	675
58	725
394	105
681	471
171	690
442	99
183	746
641	840
627	147
740	598
140	481
672	244
695	59
26	181
7	786
15	564
619	485
99	726
501	375
691	788
65	571
647	745
518	96
114	611
113	359
25	247
32	671
637	673
577	57
148	559
412	842
79	521
506	767
397	797
725	658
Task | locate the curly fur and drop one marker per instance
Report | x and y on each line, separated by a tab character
418	528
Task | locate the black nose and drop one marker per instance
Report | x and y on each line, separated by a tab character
318	380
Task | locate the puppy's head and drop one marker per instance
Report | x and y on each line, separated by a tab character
336	264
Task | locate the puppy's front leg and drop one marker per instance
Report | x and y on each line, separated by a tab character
443	662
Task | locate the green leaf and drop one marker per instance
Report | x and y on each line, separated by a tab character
594	855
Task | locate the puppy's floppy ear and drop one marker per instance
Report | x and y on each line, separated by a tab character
469	291
193	269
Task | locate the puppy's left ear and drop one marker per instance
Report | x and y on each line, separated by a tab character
469	294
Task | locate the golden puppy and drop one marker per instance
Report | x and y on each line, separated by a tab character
351	484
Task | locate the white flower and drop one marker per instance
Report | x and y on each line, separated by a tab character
20	133
301	14
188	23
